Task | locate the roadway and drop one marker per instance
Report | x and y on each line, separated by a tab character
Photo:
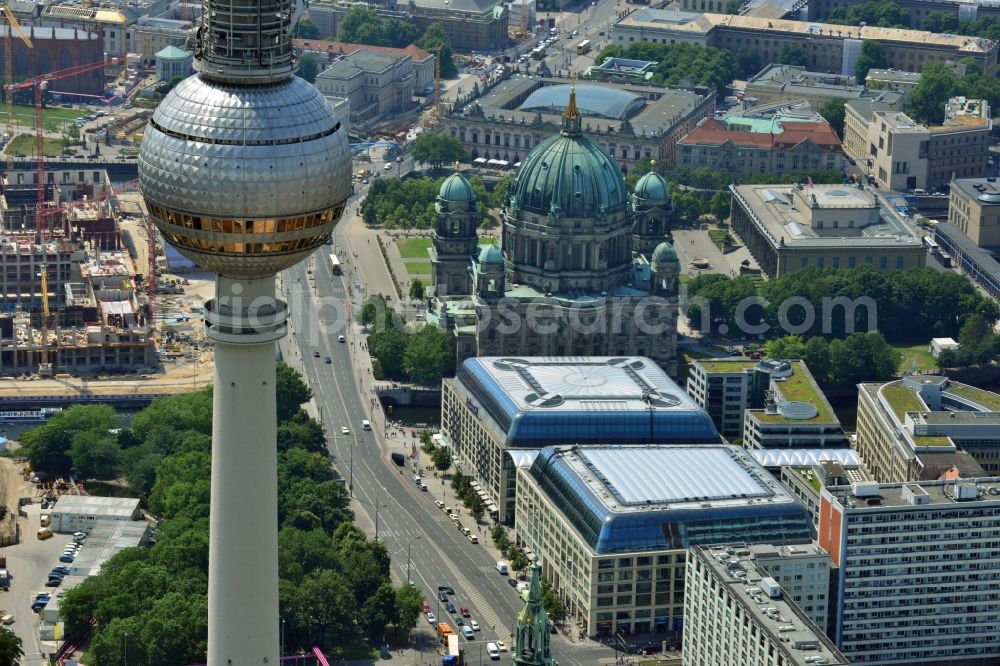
405	518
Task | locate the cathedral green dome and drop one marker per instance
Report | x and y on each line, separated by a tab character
569	175
490	254
663	254
457	188
652	187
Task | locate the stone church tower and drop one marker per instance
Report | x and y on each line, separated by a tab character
454	241
652	210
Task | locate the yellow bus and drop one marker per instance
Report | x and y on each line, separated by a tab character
583	47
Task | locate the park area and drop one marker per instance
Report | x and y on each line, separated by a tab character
916	357
24	144
416	258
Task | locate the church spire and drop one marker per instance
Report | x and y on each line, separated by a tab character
531	637
571	116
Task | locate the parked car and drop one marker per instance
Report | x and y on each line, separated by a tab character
512	582
465	611
447	589
427	607
67	558
474	625
61	569
53	582
315	354
443	596
431	619
344	430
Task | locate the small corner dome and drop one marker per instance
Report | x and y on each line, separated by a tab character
490	254
664	253
457	188
652	187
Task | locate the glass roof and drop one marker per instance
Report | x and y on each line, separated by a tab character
592	100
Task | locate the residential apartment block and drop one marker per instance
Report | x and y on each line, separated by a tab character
923	426
805	478
974	209
736	614
725	388
902	154
918	571
751	146
611	525
787	227
787	83
827	47
495	407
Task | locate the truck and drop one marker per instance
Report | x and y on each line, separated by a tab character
4	579
444	631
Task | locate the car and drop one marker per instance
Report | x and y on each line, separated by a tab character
423	486
344	430
427	607
447	589
431	619
512	582
399	159
600	34
465	611
365	181
474	625
451	608
341	338
53	582
66	558
315	354
388	166
61	569
576	32
443	596
459	621
468	633
501	646
328	360
439	504
39	606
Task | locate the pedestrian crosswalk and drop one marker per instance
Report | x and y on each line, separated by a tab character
487	616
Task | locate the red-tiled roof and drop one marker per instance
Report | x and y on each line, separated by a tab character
346	48
714	132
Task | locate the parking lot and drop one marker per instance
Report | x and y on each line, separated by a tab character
29	563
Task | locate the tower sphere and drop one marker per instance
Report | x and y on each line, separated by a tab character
245	180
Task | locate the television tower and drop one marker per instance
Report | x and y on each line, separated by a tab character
244	169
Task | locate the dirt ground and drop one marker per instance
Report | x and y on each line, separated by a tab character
12	487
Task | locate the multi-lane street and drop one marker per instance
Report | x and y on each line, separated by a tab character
406	518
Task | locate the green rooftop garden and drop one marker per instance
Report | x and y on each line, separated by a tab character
800	388
931	440
727	365
902	399
813	482
987	399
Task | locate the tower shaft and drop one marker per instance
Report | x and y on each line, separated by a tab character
244	320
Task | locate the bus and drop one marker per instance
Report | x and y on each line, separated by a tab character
335	265
930	243
583	47
538	52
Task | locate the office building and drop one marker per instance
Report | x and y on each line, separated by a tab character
622	70
494	407
787	227
895	80
629	121
725	388
976	263
918	571
776	84
827	47
805	471
748	147
974	209
918	427
795	414
611	525
737	614
902	154
567	279
378	84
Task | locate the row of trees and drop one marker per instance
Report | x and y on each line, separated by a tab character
978	342
424	354
440	455
860	357
470	498
334	582
701	65
939	83
950	23
408	203
886	14
519	563
905	305
364	26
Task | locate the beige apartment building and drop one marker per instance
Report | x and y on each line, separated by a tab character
902	154
974	208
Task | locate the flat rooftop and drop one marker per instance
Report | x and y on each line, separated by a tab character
801	642
107	507
983	492
725	365
783	217
798	387
893	75
986	191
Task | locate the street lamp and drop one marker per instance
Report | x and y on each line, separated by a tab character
125	649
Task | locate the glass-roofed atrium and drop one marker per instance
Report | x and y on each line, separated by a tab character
544	401
626	499
593	101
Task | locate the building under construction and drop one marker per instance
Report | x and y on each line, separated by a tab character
97	323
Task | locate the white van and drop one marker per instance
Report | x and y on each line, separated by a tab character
491	649
502	567
366	425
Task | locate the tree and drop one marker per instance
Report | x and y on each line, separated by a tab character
441	458
308	67
553	605
833	112
409	605
94	456
748	62
47	446
871	57
10	648
292	392
379	610
433	37
518	560
429	355
417	289
792	54
719	205
817	357
306	29
938	83
389	349
438	149
362	26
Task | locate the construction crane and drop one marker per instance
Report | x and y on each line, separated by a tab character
434	117
8	66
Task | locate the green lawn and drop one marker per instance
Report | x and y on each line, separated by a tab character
915	353
413	248
418	268
25	115
902	399
25	143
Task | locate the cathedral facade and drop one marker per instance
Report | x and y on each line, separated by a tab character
584	268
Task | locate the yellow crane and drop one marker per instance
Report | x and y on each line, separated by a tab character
45	366
433	118
8	66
